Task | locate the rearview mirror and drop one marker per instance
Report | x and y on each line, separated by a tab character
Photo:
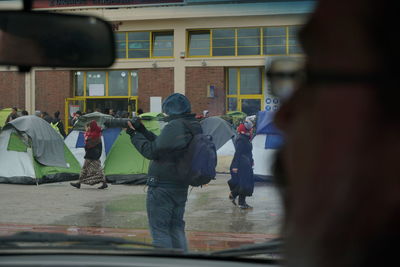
44	39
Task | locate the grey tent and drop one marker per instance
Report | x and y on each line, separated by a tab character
48	147
32	152
100	118
219	129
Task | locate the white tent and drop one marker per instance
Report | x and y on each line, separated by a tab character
79	152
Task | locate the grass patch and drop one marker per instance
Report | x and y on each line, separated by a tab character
132	203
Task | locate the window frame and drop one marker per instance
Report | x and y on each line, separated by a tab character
239	97
107	84
151	44
261	41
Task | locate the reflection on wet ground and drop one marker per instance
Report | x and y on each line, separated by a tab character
212	221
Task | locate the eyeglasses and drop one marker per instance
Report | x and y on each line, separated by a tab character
283	84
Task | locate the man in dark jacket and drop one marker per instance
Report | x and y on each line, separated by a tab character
44	115
58	122
167	194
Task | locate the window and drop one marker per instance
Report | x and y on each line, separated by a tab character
223	42
258	41
134	83
294	46
138	44
274	41
248	42
114	83
199	43
118	83
163	44
250	81
95	83
245	90
144	44
120	38
79	83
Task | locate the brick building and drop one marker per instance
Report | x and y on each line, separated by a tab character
212	51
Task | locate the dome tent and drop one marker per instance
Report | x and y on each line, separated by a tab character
36	153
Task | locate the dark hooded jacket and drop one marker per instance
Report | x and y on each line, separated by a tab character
165	150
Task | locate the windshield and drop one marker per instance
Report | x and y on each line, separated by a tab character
71	163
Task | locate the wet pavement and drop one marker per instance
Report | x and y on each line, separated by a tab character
212	221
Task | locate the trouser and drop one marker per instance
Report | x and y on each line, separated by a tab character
242	198
165	211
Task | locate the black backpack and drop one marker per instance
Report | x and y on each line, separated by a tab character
197	166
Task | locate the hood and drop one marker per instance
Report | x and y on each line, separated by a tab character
176	104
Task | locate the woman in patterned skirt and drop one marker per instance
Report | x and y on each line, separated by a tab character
92	172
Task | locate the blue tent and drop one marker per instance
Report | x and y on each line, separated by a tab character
265	125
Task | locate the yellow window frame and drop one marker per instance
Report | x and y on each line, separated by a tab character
239	96
151	43
261	36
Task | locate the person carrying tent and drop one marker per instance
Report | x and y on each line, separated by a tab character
167	193
242	182
92	173
58	125
13	115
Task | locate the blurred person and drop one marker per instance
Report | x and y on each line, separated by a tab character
125	114
241	183
13	115
167	195
92	173
24	113
342	140
76	116
44	115
140	111
59	124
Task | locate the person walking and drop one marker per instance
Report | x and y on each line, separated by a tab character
167	195
92	173
13	115
242	182
59	124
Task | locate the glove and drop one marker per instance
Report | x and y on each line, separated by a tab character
138	125
130	131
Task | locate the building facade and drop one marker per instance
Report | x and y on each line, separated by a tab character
214	52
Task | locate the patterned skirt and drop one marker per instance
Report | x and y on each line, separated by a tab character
92	173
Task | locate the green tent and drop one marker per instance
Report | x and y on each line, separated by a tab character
122	163
234	117
18	164
3	116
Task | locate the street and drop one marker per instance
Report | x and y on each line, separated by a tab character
212	221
